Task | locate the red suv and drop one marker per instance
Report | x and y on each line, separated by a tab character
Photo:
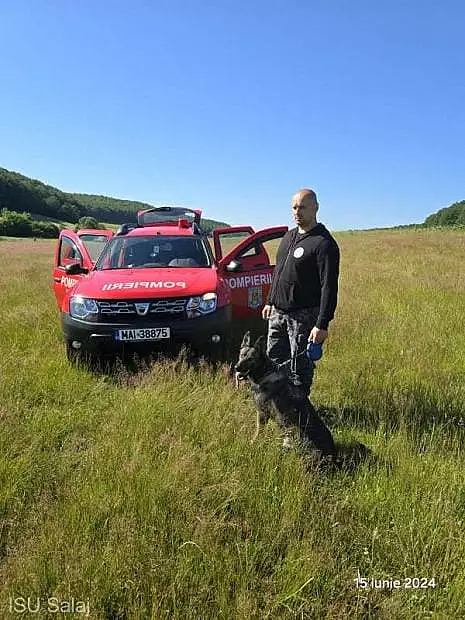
158	284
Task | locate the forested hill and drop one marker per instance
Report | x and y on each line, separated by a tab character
449	216
23	194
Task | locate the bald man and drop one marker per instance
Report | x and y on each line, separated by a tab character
303	293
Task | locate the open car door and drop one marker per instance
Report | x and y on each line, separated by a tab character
75	250
248	271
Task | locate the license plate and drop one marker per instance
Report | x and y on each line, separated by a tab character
149	333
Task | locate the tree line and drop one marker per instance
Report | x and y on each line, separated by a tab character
449	216
15	224
24	195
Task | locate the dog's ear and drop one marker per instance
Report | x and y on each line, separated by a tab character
246	340
260	344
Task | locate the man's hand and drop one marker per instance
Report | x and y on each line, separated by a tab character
317	335
266	312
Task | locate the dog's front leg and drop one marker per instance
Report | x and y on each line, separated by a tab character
257	428
263	407
262	419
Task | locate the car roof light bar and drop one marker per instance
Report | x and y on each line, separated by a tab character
166	214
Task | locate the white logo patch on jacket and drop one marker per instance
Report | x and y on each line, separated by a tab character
298	252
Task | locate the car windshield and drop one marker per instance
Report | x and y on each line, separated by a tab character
154	251
94	244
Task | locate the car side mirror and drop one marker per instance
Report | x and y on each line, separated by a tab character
75	269
234	265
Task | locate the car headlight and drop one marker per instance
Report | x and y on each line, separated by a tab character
198	306
82	307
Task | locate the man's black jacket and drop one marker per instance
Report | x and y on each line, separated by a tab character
306	273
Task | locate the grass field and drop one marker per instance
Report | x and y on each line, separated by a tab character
140	494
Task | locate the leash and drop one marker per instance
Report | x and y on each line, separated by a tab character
293	359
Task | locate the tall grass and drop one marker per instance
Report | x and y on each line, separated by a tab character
142	493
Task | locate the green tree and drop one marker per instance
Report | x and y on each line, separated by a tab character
87	222
15	224
47	230
449	216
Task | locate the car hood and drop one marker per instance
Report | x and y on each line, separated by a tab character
144	283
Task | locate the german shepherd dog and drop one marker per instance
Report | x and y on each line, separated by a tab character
275	395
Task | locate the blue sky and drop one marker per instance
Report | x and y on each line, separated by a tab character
232	106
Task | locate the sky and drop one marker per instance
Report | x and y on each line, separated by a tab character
231	107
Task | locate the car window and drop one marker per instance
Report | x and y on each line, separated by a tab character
264	252
69	253
253	251
228	241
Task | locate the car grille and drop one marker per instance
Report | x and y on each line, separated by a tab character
116	311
